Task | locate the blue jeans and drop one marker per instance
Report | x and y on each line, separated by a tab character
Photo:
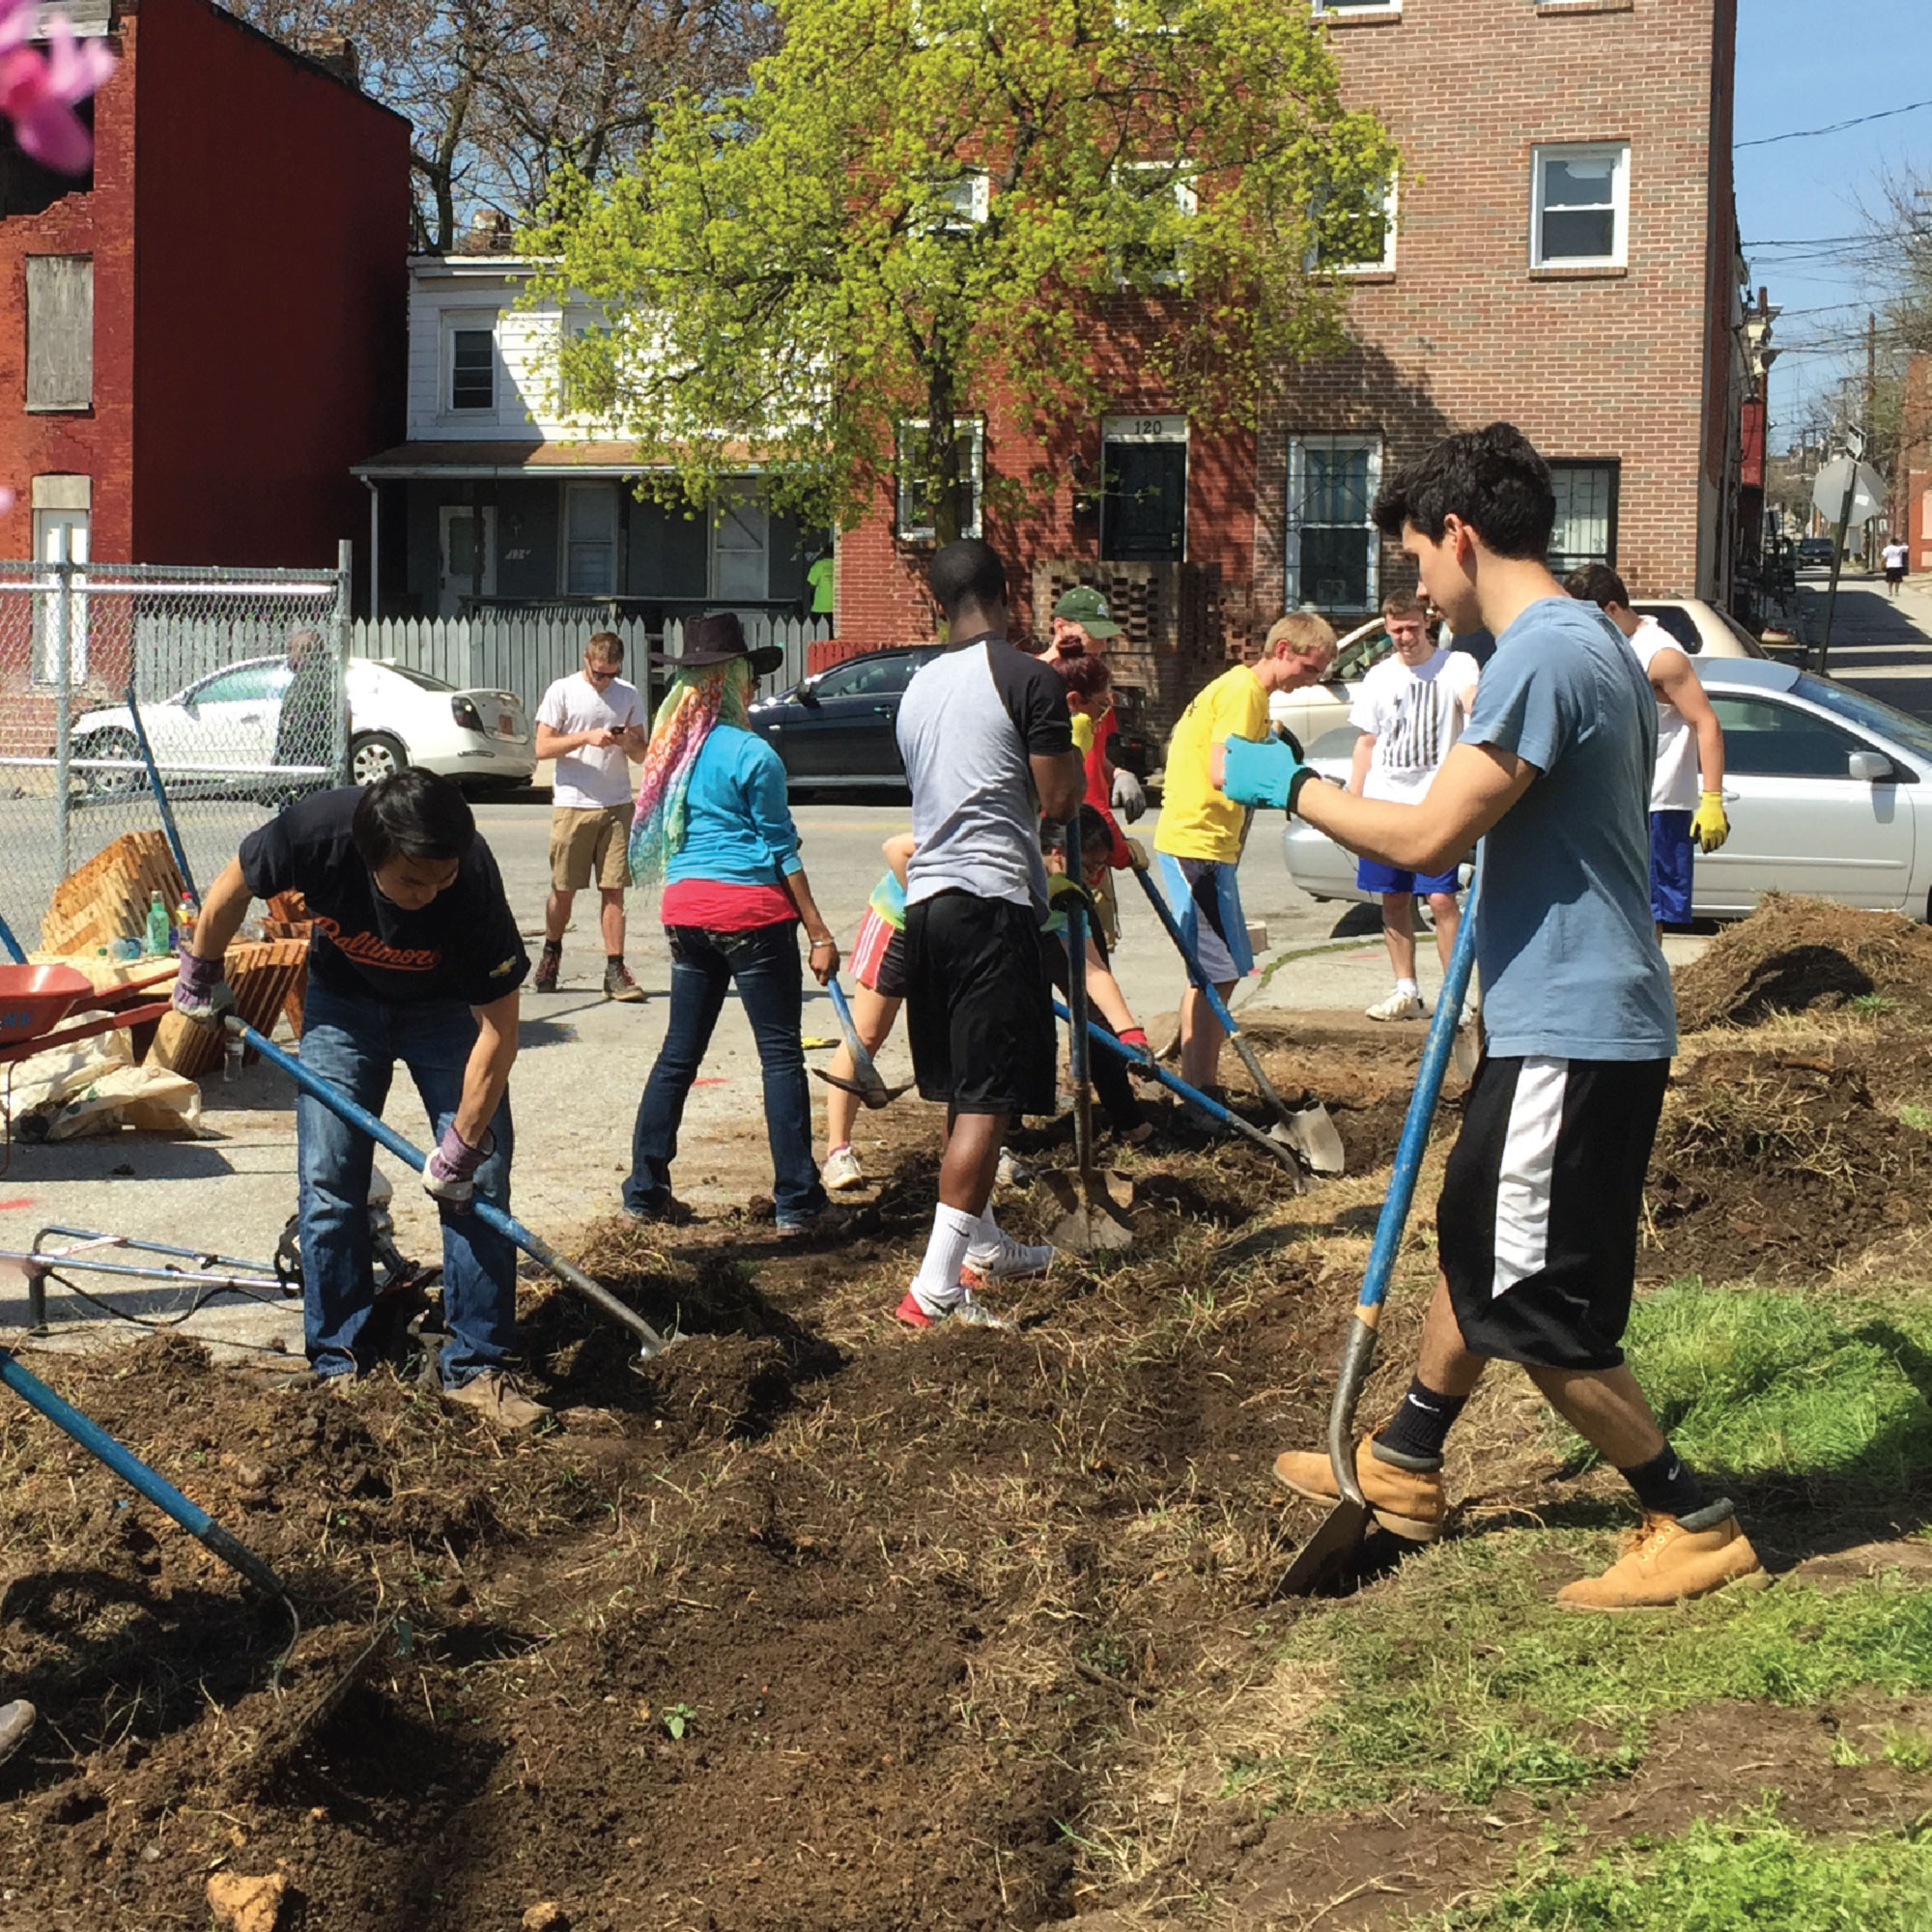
353	1043
765	964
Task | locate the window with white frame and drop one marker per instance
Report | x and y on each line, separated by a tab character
1334	552
469	363
1586	530
1159	199
916	489
1356	6
960	205
1355	230
1580	206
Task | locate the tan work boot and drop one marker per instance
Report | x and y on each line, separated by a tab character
1670	1558
499	1401
1407	1501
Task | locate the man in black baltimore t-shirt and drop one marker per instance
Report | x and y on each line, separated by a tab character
415	957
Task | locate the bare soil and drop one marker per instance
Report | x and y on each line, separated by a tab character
815	1623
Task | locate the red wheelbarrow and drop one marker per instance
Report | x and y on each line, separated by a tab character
34	1001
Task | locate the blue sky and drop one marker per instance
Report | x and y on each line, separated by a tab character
1808	64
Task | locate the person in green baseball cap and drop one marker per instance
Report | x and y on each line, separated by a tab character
1081	616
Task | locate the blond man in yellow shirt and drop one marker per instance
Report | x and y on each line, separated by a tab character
1201	832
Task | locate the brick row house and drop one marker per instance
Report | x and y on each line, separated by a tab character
1561	251
164	399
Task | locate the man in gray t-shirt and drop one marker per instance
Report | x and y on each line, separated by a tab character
988	745
1537	1223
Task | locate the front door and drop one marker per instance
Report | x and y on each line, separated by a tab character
469	555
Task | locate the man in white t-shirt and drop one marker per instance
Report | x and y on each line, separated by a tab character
1410	710
1688	740
592	725
1897	553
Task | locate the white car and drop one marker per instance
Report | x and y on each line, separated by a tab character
1699	629
1829	793
220	731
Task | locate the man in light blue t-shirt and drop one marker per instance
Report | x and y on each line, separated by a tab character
1537	1223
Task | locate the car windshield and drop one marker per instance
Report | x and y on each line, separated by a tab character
1841	700
421	679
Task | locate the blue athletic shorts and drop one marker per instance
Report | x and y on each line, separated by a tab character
1372	876
1670	867
1204	898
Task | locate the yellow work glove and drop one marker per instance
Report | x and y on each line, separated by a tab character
1709	827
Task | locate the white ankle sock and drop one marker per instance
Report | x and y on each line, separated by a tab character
1408	988
987	1234
937	1282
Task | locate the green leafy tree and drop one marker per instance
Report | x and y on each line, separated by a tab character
916	202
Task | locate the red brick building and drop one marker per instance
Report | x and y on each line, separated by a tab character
197	340
1563	253
1911	508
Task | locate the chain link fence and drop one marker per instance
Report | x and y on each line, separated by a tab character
237	678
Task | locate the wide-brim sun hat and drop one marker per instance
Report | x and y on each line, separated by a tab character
718	640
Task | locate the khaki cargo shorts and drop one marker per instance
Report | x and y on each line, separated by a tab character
589	842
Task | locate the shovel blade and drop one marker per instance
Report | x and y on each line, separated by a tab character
875	1097
1310	1132
1091	1221
1326	1554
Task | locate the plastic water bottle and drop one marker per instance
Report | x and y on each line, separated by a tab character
158	926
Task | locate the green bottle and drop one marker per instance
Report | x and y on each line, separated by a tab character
158	926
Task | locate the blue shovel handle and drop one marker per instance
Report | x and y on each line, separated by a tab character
167	811
1359	1353
540	1251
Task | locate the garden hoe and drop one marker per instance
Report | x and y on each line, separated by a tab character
1328	1552
866	1082
1090	1217
650	1341
1306	1126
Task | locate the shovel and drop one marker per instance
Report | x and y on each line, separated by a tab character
1090	1218
1307	1128
867	1083
1151	1069
1328	1551
650	1341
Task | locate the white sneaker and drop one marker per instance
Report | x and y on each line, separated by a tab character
1014	1173
1399	1006
1010	1261
842	1171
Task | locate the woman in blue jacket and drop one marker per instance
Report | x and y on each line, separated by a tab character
713	825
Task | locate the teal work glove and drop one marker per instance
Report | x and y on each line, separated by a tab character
1267	773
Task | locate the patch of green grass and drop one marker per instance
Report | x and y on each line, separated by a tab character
1462	1676
1914	1115
1871	1005
1752	1872
1749	1381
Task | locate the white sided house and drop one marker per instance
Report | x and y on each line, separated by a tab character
498	501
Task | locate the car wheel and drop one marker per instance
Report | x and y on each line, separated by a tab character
111	745
374	755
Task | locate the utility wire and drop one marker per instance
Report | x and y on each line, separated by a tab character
1837	126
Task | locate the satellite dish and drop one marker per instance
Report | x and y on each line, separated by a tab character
1828	494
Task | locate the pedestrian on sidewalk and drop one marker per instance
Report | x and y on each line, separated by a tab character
878	966
592	725
1689	740
1897	555
1202	832
989	746
1409	708
415	958
1537	1223
714	825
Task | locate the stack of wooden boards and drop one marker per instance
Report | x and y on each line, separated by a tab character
108	899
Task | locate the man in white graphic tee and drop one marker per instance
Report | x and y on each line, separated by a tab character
1897	555
1688	740
592	724
1410	711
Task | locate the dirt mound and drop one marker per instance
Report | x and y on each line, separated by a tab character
1798	954
1777	1166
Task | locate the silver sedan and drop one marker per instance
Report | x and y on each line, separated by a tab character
1829	793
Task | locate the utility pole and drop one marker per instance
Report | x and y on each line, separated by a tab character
1870	409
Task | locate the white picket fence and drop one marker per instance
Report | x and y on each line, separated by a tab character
525	653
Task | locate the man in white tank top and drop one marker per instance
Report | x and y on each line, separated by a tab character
1690	742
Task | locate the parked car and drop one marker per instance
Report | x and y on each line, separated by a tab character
1815	553
1829	793
221	729
840	728
1699	629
